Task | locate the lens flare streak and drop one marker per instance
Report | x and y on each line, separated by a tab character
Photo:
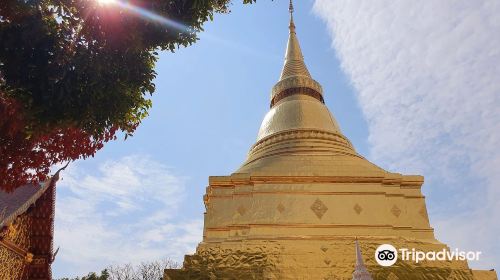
146	14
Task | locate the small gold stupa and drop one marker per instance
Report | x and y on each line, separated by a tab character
304	197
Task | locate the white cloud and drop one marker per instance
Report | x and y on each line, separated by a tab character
126	212
427	77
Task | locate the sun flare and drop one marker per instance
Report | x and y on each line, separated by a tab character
106	2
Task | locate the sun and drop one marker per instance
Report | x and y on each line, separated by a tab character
106	2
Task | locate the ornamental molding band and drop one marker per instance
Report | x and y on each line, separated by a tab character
396	211
280	208
338	141
319	208
298	90
304	198
324	248
357	209
242	210
296	82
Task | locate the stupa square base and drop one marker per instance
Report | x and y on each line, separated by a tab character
315	259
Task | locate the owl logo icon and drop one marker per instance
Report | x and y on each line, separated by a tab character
386	255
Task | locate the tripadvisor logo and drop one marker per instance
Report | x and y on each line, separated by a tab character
387	255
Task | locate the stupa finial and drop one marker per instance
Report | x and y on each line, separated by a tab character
292	25
294	75
294	62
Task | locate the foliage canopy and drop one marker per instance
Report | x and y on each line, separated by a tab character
74	73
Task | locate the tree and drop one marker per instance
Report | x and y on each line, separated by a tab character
145	271
74	73
92	276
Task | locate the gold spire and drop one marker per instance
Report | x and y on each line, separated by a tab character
292	25
298	129
294	61
295	77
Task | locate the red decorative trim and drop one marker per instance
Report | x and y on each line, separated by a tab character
40	261
297	90
42	233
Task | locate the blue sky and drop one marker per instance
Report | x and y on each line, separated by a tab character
405	82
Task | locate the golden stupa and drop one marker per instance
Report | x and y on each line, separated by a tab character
302	198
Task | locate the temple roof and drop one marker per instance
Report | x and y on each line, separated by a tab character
19	201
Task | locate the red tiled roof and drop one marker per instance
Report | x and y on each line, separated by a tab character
17	202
